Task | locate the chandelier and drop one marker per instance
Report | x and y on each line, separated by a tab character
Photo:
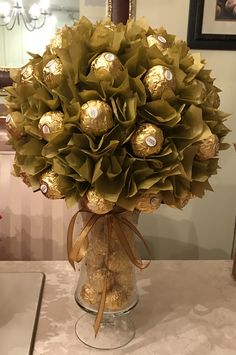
33	18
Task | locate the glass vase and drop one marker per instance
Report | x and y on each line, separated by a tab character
106	257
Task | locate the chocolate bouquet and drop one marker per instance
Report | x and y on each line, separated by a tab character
123	118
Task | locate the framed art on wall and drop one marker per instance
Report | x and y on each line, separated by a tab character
212	24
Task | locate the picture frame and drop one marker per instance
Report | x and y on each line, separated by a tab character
215	35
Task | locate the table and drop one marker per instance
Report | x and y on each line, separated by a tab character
185	307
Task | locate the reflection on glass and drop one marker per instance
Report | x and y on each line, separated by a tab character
28	26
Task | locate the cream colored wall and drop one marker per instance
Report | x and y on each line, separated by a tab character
205	228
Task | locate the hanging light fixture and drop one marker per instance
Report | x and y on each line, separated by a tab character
33	18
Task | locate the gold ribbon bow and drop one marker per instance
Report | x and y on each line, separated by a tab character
112	220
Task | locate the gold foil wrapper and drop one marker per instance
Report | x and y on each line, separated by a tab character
53	73
148	202
157	80
96	203
118	261
147	140
126	279
208	148
116	299
95	258
26	75
89	294
96	117
50	185
12	128
97	277
51	124
182	202
106	65
159	40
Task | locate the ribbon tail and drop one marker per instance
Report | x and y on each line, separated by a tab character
70	238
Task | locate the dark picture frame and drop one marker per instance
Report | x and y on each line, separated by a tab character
198	40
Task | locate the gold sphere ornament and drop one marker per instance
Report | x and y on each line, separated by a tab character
118	261
148	202
208	148
51	124
59	41
97	204
96	279
50	185
157	80
157	39
26	74
11	126
89	294
53	73
106	66
96	117
147	140
116	299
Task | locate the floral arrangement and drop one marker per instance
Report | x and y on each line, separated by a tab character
123	115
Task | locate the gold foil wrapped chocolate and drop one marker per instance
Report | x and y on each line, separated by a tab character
12	128
26	75
116	299
157	80
96	279
53	73
126	279
208	148
95	259
106	65
51	124
157	39
96	203
96	117
50	185
147	140
89	294
118	261
148	202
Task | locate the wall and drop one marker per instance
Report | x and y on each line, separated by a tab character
205	228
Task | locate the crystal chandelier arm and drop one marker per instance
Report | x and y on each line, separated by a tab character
31	25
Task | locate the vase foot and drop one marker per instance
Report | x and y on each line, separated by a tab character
114	332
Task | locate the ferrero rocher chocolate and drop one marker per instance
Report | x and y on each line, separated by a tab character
118	261
94	259
157	39
25	178
116	299
89	294
96	203
106	65
96	117
51	124
148	202
53	73
147	140
97	279
27	74
12	128
157	80
126	279
50	185
208	148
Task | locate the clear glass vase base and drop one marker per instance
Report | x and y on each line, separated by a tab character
114	332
